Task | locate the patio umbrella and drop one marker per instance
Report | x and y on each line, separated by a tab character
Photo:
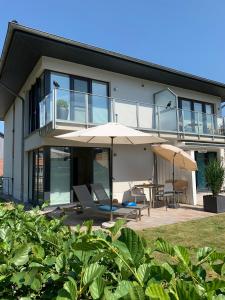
111	133
176	156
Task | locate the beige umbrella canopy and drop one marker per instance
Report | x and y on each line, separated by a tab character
111	133
175	155
103	134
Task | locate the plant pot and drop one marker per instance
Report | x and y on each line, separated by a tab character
214	204
62	112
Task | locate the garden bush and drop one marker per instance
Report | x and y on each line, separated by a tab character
43	259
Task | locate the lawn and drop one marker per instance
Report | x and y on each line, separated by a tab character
209	232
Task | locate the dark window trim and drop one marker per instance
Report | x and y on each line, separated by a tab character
89	80
195	101
206	158
47	167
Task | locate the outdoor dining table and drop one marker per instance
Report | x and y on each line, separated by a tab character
150	187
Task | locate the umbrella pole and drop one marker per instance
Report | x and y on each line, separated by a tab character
111	179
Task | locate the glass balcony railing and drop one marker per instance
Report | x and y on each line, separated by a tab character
64	106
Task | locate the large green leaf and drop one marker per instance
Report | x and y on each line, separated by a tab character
160	273
60	262
97	288
71	287
183	254
214	285
117	227
203	252
164	247
18	278
38	251
143	272
156	291
134	244
122	289
186	290
136	292
21	255
92	272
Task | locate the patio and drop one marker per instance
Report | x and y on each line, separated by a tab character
158	217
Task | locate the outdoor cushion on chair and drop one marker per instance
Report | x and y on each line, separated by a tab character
107	207
127	204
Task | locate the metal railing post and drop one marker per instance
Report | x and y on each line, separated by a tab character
198	123
182	120
137	114
86	110
53	115
178	123
158	117
113	110
213	125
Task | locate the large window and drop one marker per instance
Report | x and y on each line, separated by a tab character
37	92
202	160
38	176
196	116
57	169
60	159
79	100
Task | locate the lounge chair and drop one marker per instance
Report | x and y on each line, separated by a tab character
103	198
100	193
86	201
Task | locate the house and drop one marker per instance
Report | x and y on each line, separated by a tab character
50	85
1	153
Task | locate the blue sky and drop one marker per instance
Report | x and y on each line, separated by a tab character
187	35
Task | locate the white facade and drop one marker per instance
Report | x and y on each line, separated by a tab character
131	163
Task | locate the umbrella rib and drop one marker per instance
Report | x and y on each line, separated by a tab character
130	141
90	139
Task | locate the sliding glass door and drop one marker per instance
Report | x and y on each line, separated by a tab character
60	163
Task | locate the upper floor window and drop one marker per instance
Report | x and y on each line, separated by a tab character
77	98
37	92
196	116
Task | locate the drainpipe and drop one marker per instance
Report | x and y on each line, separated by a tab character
22	142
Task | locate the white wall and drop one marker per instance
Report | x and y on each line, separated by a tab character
132	164
121	86
8	144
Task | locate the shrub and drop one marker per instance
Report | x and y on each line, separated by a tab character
214	175
42	259
62	103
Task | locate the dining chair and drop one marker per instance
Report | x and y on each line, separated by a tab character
136	193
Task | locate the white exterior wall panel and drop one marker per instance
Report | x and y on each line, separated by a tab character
132	164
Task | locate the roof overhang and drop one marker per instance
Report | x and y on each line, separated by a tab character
24	46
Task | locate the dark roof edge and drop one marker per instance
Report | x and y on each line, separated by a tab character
15	26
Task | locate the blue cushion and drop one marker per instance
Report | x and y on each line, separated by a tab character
126	203
107	207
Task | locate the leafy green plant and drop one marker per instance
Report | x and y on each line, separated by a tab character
62	103
214	175
43	259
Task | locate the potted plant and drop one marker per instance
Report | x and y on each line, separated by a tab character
62	109
214	175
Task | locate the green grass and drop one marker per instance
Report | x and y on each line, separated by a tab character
209	232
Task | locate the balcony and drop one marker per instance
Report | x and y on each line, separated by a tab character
71	108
